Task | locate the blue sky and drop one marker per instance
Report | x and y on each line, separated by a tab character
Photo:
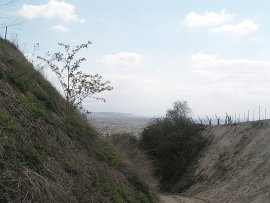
213	54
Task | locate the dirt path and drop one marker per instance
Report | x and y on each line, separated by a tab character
178	199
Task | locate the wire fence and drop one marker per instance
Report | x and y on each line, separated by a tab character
255	114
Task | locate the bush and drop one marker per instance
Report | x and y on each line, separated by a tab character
173	142
136	163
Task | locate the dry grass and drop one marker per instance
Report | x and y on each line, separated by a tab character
134	159
42	157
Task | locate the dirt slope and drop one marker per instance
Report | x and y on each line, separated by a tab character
235	167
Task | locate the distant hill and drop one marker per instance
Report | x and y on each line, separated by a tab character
113	115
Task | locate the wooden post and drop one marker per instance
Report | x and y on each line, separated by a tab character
209	120
259	112
227	119
6	32
218	120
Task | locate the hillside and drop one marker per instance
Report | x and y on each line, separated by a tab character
235	167
44	158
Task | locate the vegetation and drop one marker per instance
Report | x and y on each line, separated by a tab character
173	143
128	147
77	86
45	159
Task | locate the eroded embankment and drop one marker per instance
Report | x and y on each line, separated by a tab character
235	167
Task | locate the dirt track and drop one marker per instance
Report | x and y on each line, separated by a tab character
178	199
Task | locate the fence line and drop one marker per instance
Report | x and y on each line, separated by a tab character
233	118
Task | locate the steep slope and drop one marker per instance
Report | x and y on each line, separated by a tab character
235	167
45	159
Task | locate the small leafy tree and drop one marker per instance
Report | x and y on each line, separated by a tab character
76	85
180	110
173	143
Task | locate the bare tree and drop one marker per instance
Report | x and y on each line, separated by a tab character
76	85
200	120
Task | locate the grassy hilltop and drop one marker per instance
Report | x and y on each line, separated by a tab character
43	158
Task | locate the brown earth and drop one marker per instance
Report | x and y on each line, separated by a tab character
235	166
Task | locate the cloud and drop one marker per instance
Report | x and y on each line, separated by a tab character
123	59
60	28
235	70
53	9
230	84
206	19
243	28
218	22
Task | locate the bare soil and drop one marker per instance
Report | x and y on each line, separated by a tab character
235	167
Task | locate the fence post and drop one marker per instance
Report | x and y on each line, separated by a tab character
209	120
6	32
218	120
259	112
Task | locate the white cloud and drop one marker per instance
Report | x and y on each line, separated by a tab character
60	28
53	9
194	19
230	84
243	28
235	70
123	59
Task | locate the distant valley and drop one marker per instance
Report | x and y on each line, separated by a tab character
113	122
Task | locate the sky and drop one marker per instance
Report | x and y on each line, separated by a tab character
214	54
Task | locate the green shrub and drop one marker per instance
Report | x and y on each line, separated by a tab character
6	123
36	109
108	156
136	162
2	73
173	143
